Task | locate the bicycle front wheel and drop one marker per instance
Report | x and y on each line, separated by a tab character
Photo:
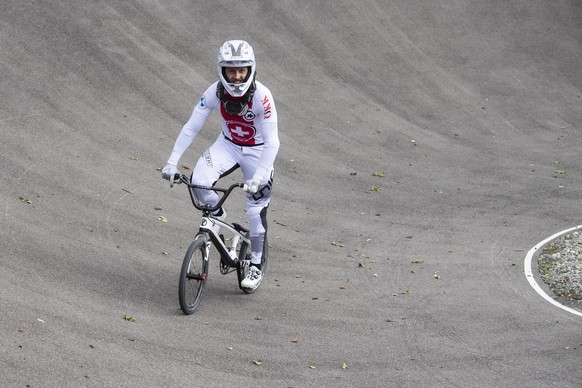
193	276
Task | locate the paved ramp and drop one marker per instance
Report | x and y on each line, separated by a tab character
426	148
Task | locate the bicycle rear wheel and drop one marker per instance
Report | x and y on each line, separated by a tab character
193	276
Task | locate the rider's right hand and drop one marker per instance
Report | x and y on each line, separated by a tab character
169	172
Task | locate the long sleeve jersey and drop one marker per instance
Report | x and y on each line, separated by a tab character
258	127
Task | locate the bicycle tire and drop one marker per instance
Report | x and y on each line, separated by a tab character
265	258
193	276
242	266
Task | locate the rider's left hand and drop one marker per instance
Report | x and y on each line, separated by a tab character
251	186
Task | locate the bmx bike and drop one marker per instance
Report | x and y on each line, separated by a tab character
234	250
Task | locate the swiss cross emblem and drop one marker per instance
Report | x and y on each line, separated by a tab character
241	132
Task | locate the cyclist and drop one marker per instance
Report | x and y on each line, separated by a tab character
249	139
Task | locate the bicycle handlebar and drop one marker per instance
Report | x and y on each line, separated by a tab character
181	178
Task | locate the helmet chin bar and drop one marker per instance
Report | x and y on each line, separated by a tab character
239	106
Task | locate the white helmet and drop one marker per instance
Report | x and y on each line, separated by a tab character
236	53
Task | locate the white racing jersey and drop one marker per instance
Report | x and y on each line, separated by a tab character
258	127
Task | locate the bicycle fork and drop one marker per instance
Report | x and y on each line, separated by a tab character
205	233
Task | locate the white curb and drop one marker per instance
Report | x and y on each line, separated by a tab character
529	274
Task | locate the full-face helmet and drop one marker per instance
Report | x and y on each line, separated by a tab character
236	53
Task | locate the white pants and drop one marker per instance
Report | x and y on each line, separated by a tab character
224	157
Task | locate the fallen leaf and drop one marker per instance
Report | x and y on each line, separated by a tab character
129	318
336	244
295	340
40	320
257	362
417	261
311	366
162	219
379	174
25	200
344	365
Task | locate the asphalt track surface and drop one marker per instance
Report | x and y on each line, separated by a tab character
426	148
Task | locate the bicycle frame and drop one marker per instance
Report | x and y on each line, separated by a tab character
227	253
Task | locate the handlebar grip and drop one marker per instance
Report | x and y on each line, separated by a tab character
178	178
